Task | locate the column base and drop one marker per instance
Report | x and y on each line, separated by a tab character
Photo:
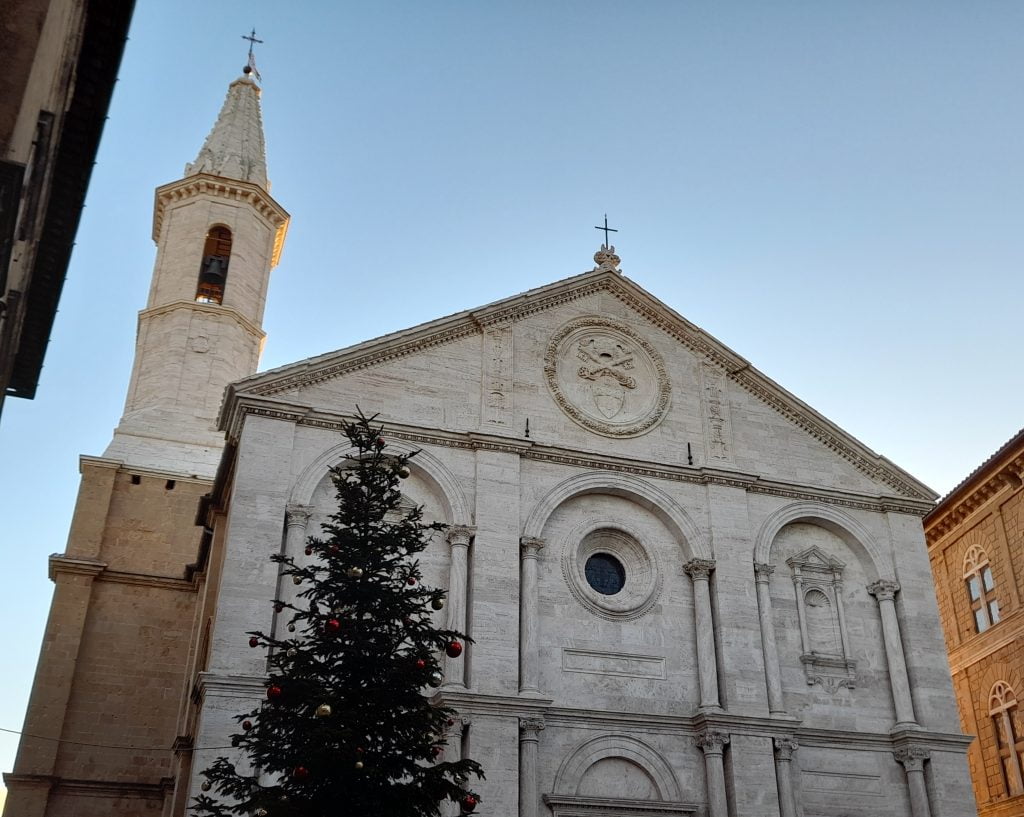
710	709
531	693
904	726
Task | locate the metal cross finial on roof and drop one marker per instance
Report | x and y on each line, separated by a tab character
606	229
250	66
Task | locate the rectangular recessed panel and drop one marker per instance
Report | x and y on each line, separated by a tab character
613	663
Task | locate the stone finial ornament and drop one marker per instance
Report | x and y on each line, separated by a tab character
606	259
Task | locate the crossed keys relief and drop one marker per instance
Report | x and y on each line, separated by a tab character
605	362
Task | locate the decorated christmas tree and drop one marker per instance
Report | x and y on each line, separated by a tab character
347	726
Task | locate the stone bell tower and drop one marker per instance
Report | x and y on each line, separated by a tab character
106	703
218	235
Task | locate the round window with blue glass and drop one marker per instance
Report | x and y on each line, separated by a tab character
605	574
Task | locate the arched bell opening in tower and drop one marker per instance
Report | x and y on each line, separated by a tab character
213	273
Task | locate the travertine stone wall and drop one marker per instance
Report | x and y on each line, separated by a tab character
660	693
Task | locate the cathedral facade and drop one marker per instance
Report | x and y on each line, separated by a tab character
688	592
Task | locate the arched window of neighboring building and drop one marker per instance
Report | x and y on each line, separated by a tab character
1002	706
980	589
213	273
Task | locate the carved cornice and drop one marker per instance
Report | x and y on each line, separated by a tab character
232	189
563	805
982	645
230	686
59	563
238	408
741	372
215	310
519	307
977	491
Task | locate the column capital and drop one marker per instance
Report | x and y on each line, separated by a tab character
784	747
912	757
884	589
763	572
460	535
699	569
530	728
531	546
296	514
711	741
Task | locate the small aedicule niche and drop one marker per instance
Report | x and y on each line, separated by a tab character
610	572
981	588
818	585
213	272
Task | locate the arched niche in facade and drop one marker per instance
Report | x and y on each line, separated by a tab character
425	465
693	542
571	773
852	532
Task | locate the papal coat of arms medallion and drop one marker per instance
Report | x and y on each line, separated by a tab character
607	377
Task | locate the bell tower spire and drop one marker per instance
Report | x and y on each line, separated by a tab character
218	234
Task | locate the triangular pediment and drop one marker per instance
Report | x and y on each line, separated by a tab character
815	558
287	383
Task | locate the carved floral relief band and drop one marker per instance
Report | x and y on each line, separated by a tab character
607	377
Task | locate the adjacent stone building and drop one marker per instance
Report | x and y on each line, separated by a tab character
689	592
975	537
60	61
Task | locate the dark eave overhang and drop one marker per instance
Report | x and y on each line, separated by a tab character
103	38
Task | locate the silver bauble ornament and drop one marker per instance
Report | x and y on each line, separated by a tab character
435	679
261	812
292	652
291	628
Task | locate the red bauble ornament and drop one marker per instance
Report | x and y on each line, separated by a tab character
332	625
453	650
300	773
451	722
359	750
274	692
254	642
279	608
309	551
410	581
469	803
421	664
380	442
436	751
246	726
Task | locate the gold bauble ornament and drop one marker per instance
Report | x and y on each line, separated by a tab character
323	711
359	764
296	579
354	572
292	652
404	472
291	628
206	785
437	604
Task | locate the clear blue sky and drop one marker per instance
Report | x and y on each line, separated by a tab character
835	190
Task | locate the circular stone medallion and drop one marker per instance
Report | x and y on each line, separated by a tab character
607	377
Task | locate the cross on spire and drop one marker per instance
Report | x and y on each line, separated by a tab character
606	229
250	65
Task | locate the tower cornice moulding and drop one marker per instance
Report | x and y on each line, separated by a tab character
210	309
220	187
